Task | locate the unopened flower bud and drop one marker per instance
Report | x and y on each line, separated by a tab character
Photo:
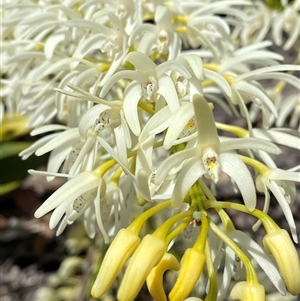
115	258
148	254
280	245
192	264
246	291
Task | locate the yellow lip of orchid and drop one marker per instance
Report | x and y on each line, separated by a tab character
280	245
246	291
155	278
117	255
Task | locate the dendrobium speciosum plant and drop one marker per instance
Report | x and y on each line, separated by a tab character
147	108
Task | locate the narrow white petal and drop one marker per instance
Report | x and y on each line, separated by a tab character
121	144
194	62
249	143
227	274
130	74
48	128
68	136
70	190
132	96
58	213
48	174
207	131
112	69
57	157
285	208
252	74
189	174
280	174
157	123
26	153
253	91
140	61
54	39
98	215
89	221
172	65
88	144
168	91
277	137
173	161
232	165
114	155
144	156
142	184
179	120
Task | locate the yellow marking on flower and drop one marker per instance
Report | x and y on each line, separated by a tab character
38	47
229	78
148	17
103	67
212	66
180	19
147	107
181	29
212	163
191	123
207	83
279	87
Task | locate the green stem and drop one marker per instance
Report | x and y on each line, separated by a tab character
163	229
251	274
138	223
178	229
266	220
213	287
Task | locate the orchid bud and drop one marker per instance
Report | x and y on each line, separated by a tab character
115	258
280	245
192	264
246	291
148	254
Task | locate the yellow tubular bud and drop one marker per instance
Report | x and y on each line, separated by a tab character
115	258
280	245
192	264
246	291
148	254
155	278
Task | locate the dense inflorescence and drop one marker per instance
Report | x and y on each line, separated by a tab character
125	96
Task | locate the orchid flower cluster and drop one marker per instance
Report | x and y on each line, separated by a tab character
124	94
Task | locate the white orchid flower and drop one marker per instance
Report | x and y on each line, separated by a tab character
160	37
145	174
149	82
206	158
